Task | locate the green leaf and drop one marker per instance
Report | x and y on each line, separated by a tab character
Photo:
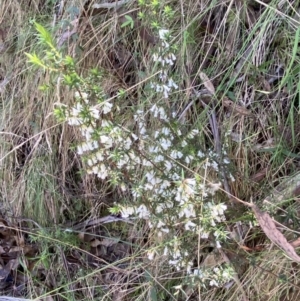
69	61
129	22
44	34
59	114
34	59
153	294
44	87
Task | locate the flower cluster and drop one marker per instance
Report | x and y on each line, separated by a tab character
173	200
217	276
164	58
154	162
158	162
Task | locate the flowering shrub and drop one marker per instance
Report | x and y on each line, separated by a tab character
158	162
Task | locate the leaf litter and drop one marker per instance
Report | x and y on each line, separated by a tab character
268	226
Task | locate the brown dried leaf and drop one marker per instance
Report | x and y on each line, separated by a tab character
95	243
212	260
207	83
13	264
261	174
234	107
108	242
296	243
269	227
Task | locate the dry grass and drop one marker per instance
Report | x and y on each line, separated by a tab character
242	47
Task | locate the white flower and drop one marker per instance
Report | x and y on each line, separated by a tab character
226	161
162	33
157	58
226	274
127	211
107	106
204	235
188	159
232	179
217	211
94	159
75	121
159	158
169	62
94	113
102	173
166	91
134	157
188	186
148	186
176	154
77	110
189	225
95	169
166	251
168	165
174	262
83	95
213	187
183	143
215	166
106	123
106	140
87	132
166	184
166	230
200	154
152	179
95	145
127	143
137	192
87	146
143	212
151	255
193	133
160	224
158	88
142	129
163	75
175	177
213	283
79	150
172	57
165	131
165	143
135	137
155	110
165	44
99	156
123	161
188	211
